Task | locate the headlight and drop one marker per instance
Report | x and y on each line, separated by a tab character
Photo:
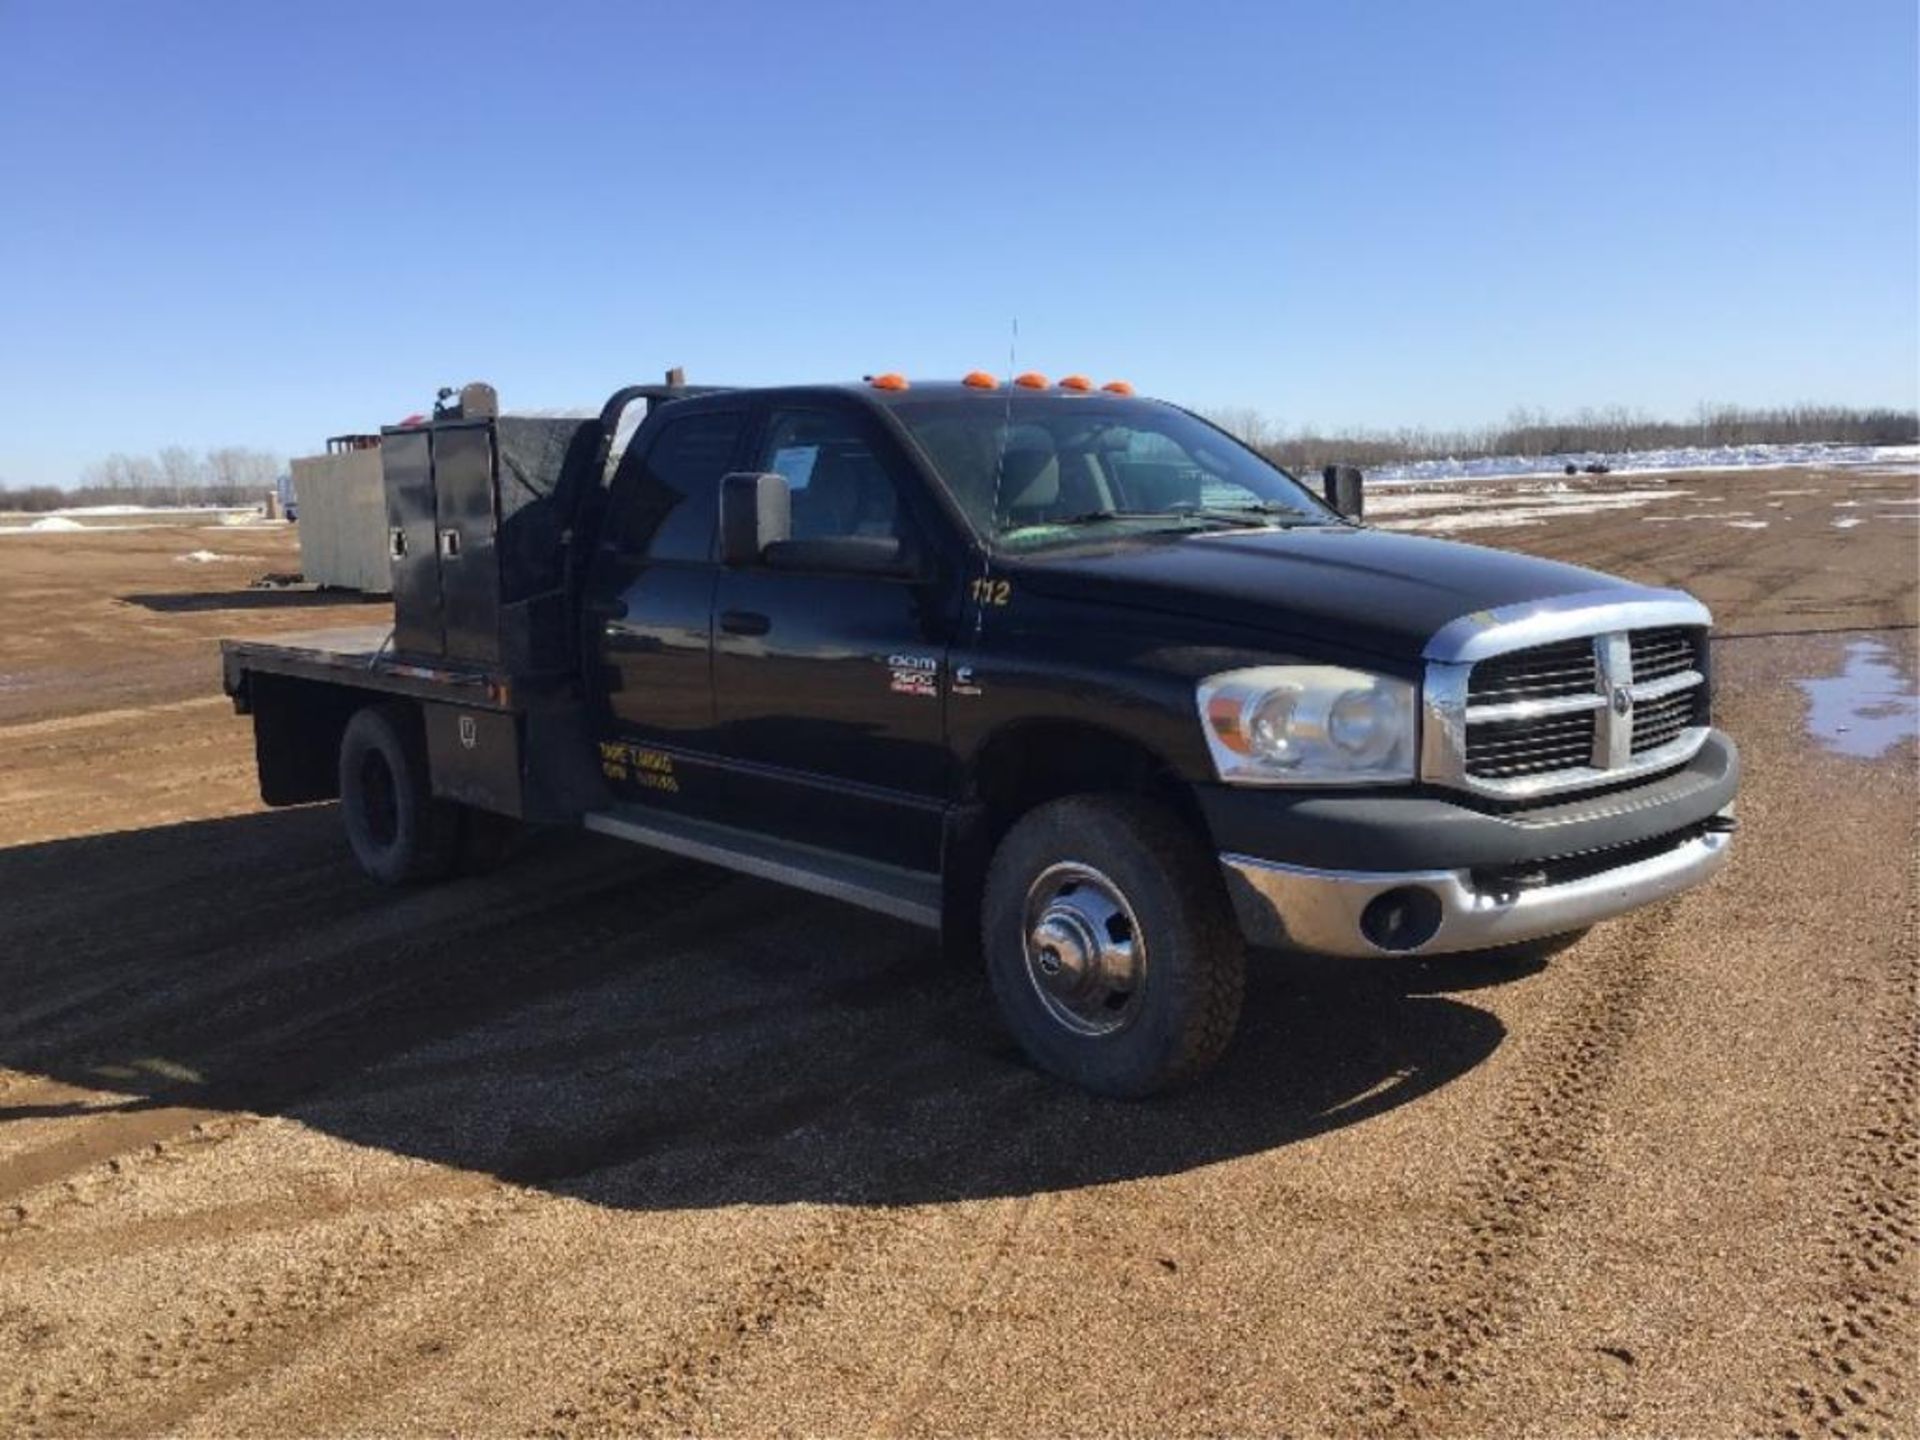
1308	725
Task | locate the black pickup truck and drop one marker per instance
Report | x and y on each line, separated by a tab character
1067	675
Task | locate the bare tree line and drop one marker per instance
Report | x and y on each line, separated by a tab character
236	474
1590	431
175	475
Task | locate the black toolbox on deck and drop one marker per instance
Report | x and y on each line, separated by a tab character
479	527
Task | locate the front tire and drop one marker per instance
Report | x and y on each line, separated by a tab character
1111	946
398	831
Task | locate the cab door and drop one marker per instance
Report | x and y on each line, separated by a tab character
651	602
829	688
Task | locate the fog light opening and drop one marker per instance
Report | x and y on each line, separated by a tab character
1402	919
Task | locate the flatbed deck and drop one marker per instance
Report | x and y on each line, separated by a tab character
358	655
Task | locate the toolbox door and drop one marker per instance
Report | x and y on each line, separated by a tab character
406	460
464	514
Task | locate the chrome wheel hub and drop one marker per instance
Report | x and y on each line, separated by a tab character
1086	957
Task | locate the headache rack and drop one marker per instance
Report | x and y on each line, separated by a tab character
1566	695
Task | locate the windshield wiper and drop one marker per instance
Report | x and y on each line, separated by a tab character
1264	515
1088	517
1094	517
1247	516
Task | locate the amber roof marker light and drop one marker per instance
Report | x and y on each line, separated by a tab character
889	381
1079	384
1117	387
979	380
1032	380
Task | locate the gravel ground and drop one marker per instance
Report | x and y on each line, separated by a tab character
614	1143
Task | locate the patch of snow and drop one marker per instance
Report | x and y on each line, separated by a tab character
1561	498
1490	512
1472	520
90	529
1848	522
1478	512
1634	462
202	557
56	522
1746	524
150	509
1431	500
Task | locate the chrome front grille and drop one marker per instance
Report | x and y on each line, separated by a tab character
1529	747
1663	652
1541	673
1621	695
1661	722
1515	705
1551	709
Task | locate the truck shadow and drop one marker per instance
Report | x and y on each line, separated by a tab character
633	1030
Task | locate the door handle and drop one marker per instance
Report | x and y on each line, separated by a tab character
744	622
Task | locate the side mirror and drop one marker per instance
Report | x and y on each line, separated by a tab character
1345	490
755	511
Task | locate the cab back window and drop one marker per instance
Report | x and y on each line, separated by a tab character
673	513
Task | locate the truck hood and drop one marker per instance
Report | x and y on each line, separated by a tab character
1369	590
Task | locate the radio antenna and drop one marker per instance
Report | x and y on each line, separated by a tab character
999	477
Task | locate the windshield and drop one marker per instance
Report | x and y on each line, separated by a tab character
1045	470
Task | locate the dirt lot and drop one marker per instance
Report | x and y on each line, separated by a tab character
613	1143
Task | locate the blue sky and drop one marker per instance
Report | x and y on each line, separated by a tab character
262	223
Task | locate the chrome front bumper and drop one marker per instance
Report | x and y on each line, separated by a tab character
1326	911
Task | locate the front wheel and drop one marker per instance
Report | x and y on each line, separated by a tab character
1110	944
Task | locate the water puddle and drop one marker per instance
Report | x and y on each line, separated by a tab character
1865	710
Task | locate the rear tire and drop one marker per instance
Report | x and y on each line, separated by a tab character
1111	945
398	831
